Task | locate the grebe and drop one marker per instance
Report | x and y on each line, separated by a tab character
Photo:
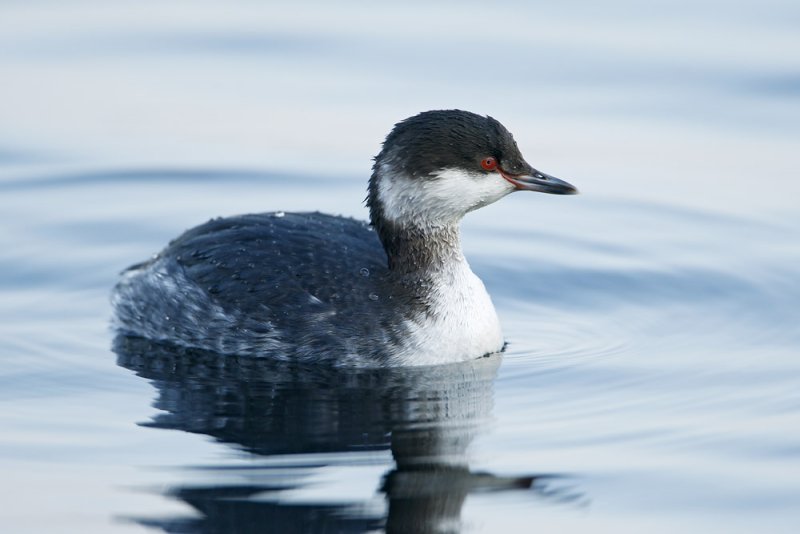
313	287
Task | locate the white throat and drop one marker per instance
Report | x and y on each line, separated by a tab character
439	200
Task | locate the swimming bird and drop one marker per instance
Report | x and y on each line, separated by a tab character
312	287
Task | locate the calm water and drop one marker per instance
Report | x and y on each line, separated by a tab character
652	379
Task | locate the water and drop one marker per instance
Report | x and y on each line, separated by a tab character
652	378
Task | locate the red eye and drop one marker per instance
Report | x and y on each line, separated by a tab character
489	163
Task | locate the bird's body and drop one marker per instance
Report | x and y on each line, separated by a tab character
315	287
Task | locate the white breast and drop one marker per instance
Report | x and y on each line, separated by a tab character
463	326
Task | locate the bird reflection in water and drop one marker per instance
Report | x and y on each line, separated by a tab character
292	420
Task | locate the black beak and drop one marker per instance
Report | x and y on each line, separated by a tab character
541	182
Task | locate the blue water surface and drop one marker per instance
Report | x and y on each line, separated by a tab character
652	376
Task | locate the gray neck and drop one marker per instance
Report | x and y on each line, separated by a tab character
412	245
420	249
